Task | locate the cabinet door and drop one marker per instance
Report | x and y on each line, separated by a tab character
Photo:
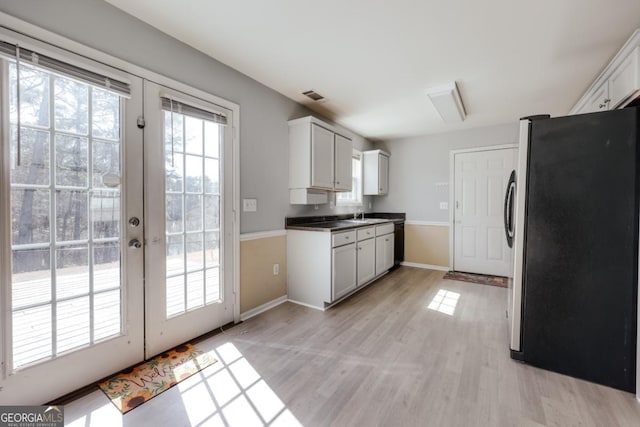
597	101
625	80
321	157
366	261
343	163
389	242
384	253
344	270
383	174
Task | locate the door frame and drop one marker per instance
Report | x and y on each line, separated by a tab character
452	188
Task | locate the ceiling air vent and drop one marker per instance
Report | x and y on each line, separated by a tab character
312	94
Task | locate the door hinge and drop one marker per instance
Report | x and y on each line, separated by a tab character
141	122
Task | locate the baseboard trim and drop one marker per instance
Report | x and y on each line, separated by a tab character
425	266
304	304
262	308
262	235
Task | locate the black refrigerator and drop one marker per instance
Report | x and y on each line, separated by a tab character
576	246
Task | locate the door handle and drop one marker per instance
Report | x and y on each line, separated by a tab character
135	244
508	208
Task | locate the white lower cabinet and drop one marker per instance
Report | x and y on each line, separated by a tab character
366	260
323	267
384	253
343	275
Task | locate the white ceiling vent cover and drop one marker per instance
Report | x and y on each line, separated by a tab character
315	96
447	102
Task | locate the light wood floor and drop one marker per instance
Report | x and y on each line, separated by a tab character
381	358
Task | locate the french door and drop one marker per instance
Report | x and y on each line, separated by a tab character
117	240
189	217
72	286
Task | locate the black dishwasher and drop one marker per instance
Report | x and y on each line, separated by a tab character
398	243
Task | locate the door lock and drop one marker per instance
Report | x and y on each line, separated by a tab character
134	221
135	244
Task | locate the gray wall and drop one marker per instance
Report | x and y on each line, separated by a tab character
263	112
419	166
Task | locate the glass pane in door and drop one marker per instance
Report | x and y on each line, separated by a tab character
65	215
192	203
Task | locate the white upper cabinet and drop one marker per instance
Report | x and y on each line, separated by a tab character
598	100
618	84
322	146
319	160
625	79
376	172
343	164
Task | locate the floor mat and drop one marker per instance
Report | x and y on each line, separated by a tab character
477	278
134	386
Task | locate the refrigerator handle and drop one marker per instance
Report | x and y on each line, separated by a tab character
508	205
512	190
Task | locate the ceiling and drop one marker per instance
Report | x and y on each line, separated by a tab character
373	60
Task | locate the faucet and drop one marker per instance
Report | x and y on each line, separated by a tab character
358	212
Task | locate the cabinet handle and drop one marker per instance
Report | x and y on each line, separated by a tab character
604	103
337	182
346	237
386	240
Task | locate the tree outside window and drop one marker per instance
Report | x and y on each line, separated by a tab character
354	197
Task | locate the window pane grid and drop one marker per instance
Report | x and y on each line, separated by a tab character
60	271
354	197
193	211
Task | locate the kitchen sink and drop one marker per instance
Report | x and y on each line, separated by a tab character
367	221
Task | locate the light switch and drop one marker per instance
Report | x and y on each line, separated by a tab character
249	205
444	205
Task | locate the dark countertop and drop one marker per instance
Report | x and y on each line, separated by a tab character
330	223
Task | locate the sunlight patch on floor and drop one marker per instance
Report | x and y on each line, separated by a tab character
232	393
106	415
445	302
227	393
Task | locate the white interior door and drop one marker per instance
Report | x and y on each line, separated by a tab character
480	183
189	217
72	289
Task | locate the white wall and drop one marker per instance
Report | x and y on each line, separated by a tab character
419	164
264	113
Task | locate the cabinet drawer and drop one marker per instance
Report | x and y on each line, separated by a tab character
384	229
366	233
339	239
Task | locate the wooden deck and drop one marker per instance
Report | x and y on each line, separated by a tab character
33	317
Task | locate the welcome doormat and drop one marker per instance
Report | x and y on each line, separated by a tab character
134	386
477	278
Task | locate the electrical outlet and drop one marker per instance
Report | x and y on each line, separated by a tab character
444	205
249	205
276	269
